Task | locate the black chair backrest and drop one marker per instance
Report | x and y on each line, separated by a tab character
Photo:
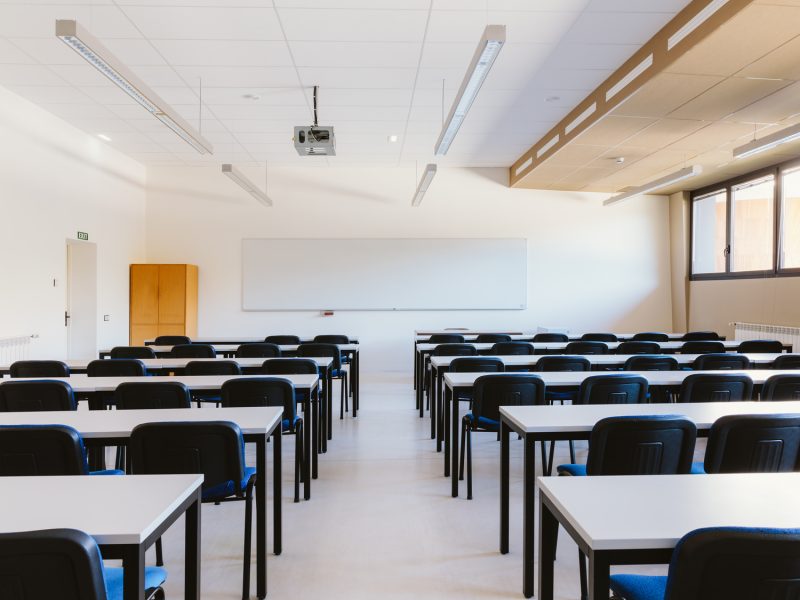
650	336
558	338
652	362
787	361
332	339
637	347
512	349
28	450
213	448
116	367
171	340
648	445
132	352
282	340
492	338
761	346
30	396
454	350
700	347
39	368
490	392
317	349
51	563
446	338
289	366
753	444
193	351
777	387
586	348
563	363
722	387
477	364
702	336
133	395
612	389
212	367
261	391
599	337
734	563
721	362
258	350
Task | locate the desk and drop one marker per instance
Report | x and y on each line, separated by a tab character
544	423
140	508
240	340
113	428
662	509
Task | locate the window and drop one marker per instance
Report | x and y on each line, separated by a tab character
753	225
709	232
790	220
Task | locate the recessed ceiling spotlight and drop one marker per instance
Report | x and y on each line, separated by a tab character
251	97
552	99
619	159
392	139
104	137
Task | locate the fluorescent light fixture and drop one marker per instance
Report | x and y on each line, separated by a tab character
424	182
656	185
104	137
101	58
243	182
494	36
790	134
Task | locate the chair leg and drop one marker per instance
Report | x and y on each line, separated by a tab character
341	401
572	452
159	553
582	569
297	459
248	526
463	448
344	391
469	463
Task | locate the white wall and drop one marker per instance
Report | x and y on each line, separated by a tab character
57	180
591	267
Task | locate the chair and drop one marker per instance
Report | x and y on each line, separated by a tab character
336	371
638	347
210	367
135	395
776	388
193	351
702	347
283	340
586	348
612	389
492	338
787	361
651	362
214	449
289	366
41	395
599	337
270	391
761	346
446	338
558	338
702	336
511	349
171	340
705	387
723	563
477	364
332	339
258	350
490	392
454	350
650	336
117	367
721	362
39	368
132	352
65	564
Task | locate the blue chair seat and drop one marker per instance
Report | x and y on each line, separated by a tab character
287	426
698	468
228	488
337	373
572	469
108	472
154	577
484	423
639	587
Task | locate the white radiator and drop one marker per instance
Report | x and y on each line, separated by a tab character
14	348
761	331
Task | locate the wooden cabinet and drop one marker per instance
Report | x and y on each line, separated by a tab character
163	301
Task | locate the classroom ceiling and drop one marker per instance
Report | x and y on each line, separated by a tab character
380	65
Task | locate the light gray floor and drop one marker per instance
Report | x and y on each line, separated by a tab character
381	522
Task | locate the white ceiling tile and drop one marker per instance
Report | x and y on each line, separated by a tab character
49	51
662	6
362	97
239	77
273	137
235	111
108	95
354	25
345	77
206	23
224	53
46	94
134	53
109	126
356	4
11	54
616	27
28	75
591	56
80	111
39	21
257	126
366	113
356	54
526	5
128	110
288	96
178	95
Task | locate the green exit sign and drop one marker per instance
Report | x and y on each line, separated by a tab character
82	235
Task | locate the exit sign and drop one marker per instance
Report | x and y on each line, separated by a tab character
82	235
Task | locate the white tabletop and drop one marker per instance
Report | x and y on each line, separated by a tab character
599	359
235	347
243	340
430	332
582	418
659	510
516	335
83	383
179	363
728	345
120	423
134	505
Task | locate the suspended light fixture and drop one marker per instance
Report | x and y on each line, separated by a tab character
424	182
243	182
656	185
768	142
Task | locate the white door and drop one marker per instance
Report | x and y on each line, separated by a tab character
80	315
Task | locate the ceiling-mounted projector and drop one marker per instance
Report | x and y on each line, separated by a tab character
315	140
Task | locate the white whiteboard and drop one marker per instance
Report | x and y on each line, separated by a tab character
384	274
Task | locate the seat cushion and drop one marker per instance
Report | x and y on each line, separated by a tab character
108	472
483	423
639	587
698	468
154	577
287	426
571	469
227	488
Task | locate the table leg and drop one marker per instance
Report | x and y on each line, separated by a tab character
133	575
528	514
192	552
315	433
548	533
432	399
599	575
415	362
329	418
448	394
261	515
505	432
454	444
421	386
356	382
308	433
277	494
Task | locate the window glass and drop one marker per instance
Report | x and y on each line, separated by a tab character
790	220
753	225
709	217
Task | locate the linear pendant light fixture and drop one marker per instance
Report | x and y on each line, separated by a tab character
102	59
424	182
243	182
656	185
790	134
492	40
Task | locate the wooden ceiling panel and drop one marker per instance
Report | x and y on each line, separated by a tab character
577	154
713	135
774	108
664	133
613	130
780	63
728	97
664	93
